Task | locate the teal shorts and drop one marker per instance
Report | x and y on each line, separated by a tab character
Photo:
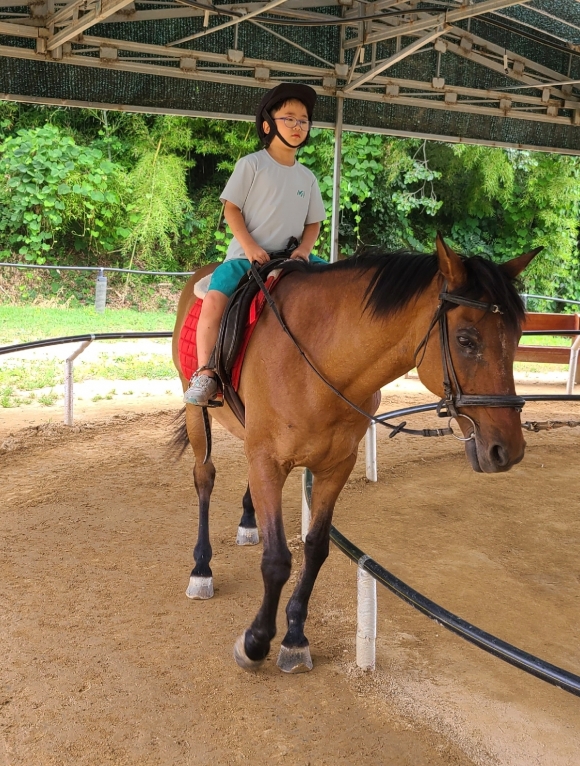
227	276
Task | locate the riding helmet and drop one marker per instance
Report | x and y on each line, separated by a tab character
286	91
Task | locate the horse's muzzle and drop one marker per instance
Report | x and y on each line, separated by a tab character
493	456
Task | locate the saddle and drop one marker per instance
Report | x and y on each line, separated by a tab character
232	332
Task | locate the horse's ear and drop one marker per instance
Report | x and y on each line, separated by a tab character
450	264
514	268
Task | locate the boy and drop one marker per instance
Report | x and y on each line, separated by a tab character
269	199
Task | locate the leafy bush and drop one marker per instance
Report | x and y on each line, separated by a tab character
52	189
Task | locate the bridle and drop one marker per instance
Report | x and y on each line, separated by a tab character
453	395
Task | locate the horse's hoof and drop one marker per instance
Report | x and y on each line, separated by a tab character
247	536
295	659
200	587
242	658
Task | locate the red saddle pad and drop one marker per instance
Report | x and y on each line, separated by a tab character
187	347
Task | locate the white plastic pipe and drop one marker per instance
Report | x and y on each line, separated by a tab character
69	382
371	452
306	516
366	631
573	366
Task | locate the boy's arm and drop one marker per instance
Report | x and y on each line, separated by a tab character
235	220
309	237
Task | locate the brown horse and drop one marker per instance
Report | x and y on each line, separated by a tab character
362	322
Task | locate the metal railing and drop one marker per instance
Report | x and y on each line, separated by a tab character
99	290
369	572
525	297
101	281
86	341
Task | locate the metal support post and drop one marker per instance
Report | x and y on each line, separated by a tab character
68	383
101	292
366	630
371	452
336	179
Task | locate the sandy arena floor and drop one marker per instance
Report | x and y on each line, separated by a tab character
105	661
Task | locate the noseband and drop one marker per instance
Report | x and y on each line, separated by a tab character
454	397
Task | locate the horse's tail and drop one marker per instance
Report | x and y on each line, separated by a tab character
179	441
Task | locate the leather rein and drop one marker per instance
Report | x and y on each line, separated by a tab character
454	397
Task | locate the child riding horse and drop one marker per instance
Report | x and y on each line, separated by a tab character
362	323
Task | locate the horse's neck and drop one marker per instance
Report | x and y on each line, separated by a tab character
358	352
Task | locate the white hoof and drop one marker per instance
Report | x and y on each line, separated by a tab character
242	658
200	587
295	659
247	536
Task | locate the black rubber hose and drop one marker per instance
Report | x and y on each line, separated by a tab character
81	338
507	652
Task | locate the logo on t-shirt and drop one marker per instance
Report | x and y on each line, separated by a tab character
300	193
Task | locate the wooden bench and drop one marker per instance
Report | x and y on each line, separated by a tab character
554	354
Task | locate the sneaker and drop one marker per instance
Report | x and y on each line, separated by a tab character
201	390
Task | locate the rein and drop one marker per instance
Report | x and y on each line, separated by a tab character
447	407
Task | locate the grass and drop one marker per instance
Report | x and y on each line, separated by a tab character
27	323
544	340
20	379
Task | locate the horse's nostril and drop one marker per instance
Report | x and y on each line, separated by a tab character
499	455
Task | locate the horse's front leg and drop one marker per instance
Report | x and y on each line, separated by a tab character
266	480
201	580
294	655
247	530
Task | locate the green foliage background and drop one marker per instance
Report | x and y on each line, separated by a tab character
90	187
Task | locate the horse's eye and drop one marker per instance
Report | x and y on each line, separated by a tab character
464	341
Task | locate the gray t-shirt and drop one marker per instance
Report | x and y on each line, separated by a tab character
276	201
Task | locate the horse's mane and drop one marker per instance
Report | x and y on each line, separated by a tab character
397	278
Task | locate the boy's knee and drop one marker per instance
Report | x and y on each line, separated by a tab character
216	300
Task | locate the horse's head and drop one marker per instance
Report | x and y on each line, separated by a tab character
481	348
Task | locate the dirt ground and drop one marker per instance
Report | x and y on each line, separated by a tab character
105	661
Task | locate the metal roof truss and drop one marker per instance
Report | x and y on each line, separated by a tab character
362	67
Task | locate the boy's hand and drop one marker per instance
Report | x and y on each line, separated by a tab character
301	252
256	254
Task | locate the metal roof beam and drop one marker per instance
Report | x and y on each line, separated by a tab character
21	30
498	67
449	17
269	6
77	103
291	42
214	58
102	10
395	58
64	13
418	101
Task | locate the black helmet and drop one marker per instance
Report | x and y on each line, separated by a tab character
286	91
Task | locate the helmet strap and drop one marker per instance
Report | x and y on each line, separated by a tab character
274	129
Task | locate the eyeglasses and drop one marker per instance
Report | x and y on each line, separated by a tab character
292	122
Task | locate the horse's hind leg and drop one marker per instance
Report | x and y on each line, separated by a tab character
201	580
247	530
294	655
